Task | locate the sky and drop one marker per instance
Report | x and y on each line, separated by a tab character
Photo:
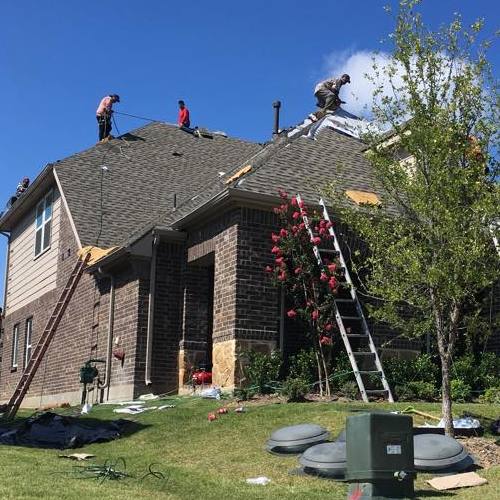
228	60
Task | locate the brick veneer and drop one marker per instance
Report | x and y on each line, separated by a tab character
227	254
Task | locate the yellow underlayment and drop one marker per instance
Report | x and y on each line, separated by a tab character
96	253
239	173
363	197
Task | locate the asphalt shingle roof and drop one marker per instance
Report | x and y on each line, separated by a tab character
305	165
299	165
141	174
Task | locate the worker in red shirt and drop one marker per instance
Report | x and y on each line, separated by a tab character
184	122
183	119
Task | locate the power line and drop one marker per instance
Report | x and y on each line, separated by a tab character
136	116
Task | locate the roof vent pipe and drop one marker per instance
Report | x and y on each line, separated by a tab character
276	106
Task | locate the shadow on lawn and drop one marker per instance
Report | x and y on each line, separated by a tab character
432	494
51	430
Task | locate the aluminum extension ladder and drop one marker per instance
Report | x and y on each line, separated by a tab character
45	339
368	355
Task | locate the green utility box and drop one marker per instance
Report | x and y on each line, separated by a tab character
380	456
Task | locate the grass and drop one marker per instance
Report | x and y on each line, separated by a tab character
208	460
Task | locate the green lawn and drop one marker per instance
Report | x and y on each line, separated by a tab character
205	460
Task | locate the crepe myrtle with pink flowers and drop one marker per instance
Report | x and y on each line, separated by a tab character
309	287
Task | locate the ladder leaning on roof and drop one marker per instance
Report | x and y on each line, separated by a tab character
367	355
43	343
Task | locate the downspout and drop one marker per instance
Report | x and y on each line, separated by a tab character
151	310
6	277
111	323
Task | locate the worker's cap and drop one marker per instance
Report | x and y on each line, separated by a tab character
26	179
346	77
116	97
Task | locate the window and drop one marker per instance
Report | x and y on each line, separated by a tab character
43	224
15	343
28	334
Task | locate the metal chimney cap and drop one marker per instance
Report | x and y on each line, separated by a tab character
277	104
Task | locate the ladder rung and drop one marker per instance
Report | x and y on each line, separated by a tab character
367	372
345	301
351	318
360	353
376	391
357	335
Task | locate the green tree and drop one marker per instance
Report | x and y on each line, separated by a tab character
430	243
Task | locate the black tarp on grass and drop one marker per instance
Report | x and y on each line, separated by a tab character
50	430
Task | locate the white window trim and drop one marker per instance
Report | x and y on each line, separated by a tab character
29	322
15	346
44	222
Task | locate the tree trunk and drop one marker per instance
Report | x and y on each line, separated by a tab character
320	374
325	369
446	396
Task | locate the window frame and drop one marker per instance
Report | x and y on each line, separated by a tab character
15	346
29	321
45	223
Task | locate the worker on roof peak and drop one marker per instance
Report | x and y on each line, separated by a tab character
103	115
327	94
183	120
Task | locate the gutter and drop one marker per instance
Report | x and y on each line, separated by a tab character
111	323
151	310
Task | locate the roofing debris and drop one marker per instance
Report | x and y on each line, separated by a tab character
457	481
363	197
239	173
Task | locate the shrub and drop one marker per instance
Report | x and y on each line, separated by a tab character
295	389
303	366
460	391
244	393
491	396
416	390
342	371
350	390
465	369
262	370
489	370
425	369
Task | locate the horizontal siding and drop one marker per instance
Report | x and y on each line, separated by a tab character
30	278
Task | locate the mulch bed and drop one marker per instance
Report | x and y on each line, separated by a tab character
486	451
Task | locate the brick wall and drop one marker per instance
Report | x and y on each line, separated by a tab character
257	309
58	372
167	320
